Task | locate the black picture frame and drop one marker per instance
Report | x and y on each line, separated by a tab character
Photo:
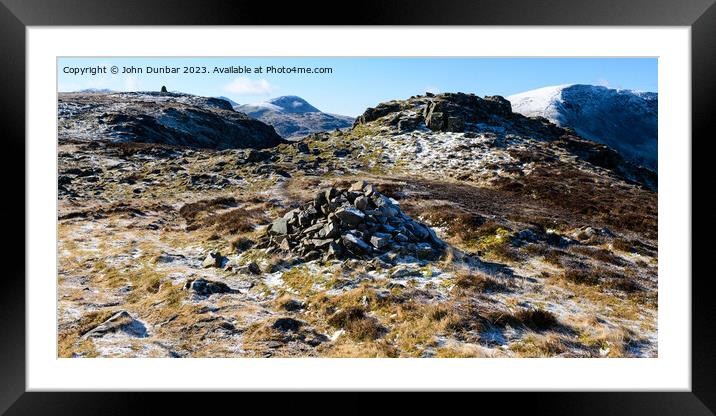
16	15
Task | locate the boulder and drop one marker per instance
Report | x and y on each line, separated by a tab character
361	202
402	272
286	324
250	268
254	155
423	250
380	240
357	186
213	259
280	226
350	216
329	230
120	322
204	287
355	245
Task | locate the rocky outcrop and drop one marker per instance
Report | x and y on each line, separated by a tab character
607	158
455	112
381	110
449	113
160	118
119	323
357	222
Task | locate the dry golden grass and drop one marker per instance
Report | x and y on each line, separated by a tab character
535	319
607	279
534	345
69	340
477	281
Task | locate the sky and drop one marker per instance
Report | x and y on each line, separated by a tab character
353	84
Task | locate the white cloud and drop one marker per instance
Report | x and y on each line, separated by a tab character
131	83
248	86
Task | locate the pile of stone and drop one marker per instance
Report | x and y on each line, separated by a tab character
357	222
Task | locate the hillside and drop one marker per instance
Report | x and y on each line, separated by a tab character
436	226
160	118
624	120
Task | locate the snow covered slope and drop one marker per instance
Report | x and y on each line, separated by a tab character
625	120
293	117
229	100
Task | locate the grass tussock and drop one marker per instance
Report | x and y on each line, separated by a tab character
192	210
554	257
356	323
581	277
534	319
376	349
223	215
238	220
288	303
456	221
478	282
414	326
604	278
539	346
600	254
461	351
603	341
301	280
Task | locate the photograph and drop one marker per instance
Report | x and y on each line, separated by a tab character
357	207
491	198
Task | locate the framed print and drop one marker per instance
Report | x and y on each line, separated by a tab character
462	198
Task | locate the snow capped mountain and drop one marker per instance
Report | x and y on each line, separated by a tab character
96	90
293	117
625	120
286	104
229	100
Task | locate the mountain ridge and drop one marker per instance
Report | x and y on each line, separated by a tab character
160	118
626	120
294	117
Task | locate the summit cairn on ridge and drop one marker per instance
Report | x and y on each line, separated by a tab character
354	222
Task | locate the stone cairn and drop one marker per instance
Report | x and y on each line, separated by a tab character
358	222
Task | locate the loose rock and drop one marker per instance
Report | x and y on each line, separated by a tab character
213	259
358	222
204	287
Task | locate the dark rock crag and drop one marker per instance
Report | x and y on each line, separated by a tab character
160	118
455	112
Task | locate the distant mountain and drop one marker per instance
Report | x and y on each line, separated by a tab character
624	120
96	90
229	100
294	117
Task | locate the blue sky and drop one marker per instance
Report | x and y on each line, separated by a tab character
357	83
